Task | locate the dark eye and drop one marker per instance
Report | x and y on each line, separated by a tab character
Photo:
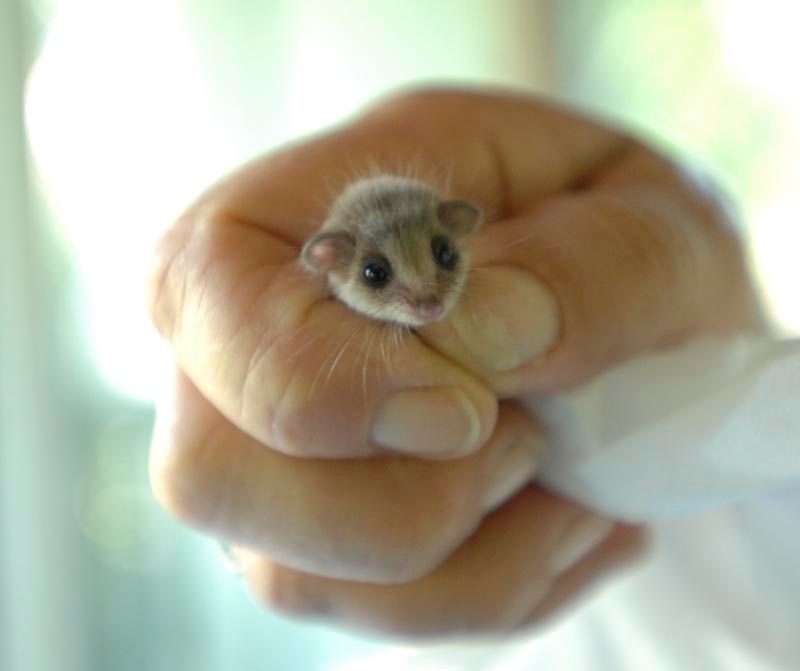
377	274
445	254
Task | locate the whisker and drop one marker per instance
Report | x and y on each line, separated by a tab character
296	333
385	355
374	330
341	352
323	365
526	238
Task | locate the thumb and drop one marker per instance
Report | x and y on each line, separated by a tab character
642	259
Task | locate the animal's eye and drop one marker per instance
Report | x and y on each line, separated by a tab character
377	274
443	251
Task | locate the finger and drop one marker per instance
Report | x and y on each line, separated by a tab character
299	371
263	342
639	259
603	249
520	555
381	519
506	152
621	548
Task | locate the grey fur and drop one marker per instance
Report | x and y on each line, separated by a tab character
395	218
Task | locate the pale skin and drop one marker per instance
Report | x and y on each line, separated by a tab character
351	468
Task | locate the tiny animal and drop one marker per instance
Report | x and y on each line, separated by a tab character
393	249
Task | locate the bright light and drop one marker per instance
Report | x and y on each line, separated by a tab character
761	50
776	240
759	45
132	110
124	137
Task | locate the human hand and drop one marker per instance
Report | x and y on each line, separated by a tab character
289	434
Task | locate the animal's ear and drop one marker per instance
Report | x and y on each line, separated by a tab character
326	251
459	217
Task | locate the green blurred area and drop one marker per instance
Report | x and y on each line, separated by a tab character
659	67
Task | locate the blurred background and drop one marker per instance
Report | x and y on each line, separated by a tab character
114	114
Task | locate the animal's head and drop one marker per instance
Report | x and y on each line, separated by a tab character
392	250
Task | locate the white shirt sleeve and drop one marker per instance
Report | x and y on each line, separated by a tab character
709	424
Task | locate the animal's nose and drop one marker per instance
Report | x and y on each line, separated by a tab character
429	308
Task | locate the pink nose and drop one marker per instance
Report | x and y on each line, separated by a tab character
430	310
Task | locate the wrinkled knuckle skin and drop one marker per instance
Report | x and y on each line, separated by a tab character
179	260
162	285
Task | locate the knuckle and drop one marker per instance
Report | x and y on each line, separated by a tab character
412	528
418	96
177	266
435	526
171	494
164	284
401	550
284	590
182	477
406	563
420	99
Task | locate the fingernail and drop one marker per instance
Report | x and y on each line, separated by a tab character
513	471
582	536
438	421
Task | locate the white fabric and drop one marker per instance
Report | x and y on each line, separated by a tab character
656	440
712	423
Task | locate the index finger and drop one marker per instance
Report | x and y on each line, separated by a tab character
296	369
